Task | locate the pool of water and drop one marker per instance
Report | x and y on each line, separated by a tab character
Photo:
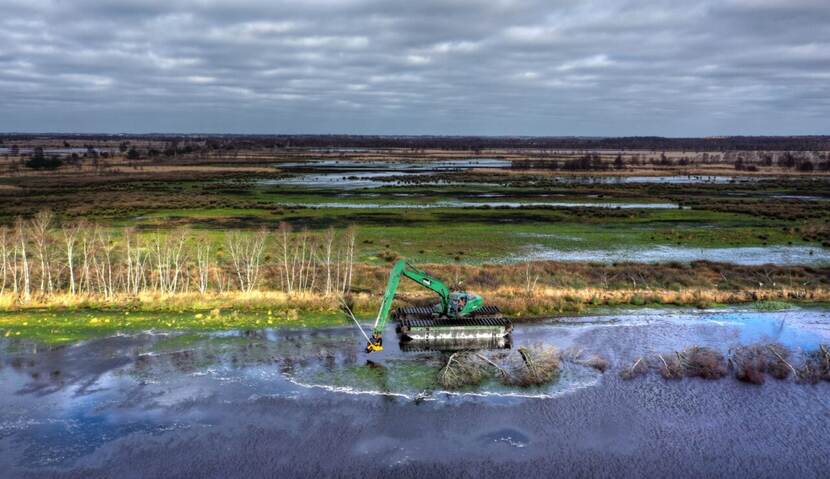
671	179
747	255
309	402
488	204
353	174
46	151
399	166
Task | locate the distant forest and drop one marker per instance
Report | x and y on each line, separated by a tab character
724	143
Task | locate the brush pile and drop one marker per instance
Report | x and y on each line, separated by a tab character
749	363
578	356
525	367
816	366
752	363
463	369
695	361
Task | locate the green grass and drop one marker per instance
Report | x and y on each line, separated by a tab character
772	305
480	235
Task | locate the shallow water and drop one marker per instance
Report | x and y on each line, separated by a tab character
301	403
47	151
488	204
673	179
745	255
401	166
353	174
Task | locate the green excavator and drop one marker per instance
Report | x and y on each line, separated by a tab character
458	316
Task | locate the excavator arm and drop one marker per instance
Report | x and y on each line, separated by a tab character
404	269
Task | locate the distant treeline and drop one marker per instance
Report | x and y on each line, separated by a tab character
721	143
806	162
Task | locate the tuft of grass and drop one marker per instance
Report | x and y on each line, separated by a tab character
772	305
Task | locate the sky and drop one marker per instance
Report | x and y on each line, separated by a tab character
425	67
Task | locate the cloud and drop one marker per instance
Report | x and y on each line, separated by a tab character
534	67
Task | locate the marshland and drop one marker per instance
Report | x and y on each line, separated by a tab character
176	291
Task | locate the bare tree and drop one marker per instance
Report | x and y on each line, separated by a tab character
328	242
136	258
285	230
169	259
20	232
246	250
203	263
87	249
351	238
70	238
4	257
102	261
41	235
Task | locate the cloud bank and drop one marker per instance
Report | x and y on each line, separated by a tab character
495	67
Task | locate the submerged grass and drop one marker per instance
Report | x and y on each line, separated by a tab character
50	326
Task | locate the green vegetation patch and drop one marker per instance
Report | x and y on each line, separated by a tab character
56	327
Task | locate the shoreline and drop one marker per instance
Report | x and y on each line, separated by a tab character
62	322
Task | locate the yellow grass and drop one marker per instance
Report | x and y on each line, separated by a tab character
514	301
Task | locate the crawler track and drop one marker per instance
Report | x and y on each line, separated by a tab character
421	323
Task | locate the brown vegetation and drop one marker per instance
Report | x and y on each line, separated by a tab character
816	366
528	366
751	363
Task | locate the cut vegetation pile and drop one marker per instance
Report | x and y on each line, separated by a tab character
749	363
816	366
752	363
526	367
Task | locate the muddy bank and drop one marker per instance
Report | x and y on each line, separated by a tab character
264	403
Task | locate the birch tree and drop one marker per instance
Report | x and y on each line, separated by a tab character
41	226
4	257
203	263
70	234
20	233
245	250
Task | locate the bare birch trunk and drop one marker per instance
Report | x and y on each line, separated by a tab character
21	239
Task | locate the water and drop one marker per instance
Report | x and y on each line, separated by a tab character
302	403
400	166
670	179
487	204
746	255
353	174
46	151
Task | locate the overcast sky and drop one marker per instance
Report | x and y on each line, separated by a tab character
492	67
